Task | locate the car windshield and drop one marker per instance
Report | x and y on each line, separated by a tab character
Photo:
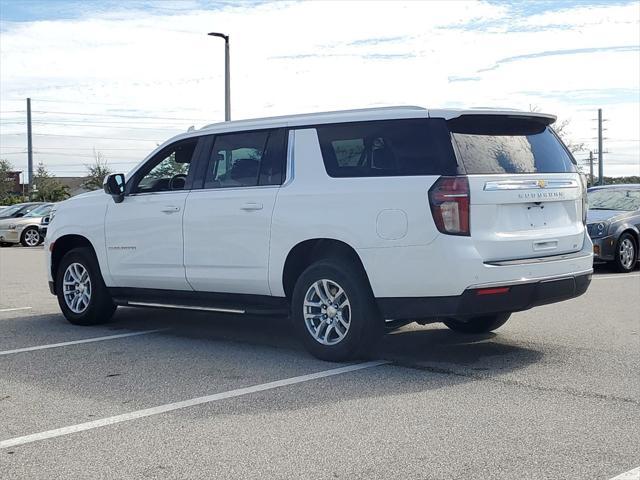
614	199
40	211
7	212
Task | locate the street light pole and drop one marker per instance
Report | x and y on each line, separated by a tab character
227	75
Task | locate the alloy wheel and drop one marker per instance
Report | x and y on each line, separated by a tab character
327	312
626	252
31	237
77	288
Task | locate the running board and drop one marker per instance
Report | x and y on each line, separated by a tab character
200	301
182	307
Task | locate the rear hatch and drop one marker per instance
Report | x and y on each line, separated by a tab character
526	196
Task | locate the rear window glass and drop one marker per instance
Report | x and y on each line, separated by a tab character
502	144
387	148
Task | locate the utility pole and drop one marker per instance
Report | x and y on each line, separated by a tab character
227	75
591	167
600	172
29	147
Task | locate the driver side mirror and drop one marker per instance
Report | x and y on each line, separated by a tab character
114	185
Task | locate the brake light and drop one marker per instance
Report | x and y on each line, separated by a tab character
449	201
585	198
492	291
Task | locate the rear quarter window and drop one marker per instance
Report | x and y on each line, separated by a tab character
387	148
489	144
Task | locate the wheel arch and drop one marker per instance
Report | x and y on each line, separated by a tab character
65	244
27	227
308	251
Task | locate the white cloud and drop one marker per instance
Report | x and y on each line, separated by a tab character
296	57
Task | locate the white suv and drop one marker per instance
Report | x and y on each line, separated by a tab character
351	221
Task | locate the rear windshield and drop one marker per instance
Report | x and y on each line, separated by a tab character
508	144
387	148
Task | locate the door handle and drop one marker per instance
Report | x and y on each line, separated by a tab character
170	209
251	206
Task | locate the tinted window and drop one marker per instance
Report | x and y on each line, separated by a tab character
246	159
168	170
9	211
614	199
502	144
40	211
387	148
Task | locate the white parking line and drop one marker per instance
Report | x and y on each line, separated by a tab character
126	417
76	342
14	309
619	276
630	475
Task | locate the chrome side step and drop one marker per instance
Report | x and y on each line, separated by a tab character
183	307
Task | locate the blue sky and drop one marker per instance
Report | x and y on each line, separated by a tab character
122	76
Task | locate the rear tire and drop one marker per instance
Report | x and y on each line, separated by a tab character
333	310
30	237
626	253
82	295
5	244
482	324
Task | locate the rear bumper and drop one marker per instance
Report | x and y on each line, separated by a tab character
521	296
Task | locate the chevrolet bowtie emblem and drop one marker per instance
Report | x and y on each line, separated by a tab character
541	183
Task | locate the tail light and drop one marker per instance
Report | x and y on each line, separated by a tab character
585	198
449	201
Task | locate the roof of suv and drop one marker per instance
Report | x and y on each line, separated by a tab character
378	113
358	115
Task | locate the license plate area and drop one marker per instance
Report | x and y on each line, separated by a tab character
536	216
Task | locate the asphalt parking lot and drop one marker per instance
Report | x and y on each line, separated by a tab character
555	394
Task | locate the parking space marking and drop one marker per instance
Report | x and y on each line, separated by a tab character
86	340
630	475
169	407
616	276
2	310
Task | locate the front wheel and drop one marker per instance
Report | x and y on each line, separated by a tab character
333	310
30	237
82	294
483	324
626	253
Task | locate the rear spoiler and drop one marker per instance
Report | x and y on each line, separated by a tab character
499	124
547	118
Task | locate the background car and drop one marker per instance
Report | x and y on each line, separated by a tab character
44	223
19	209
613	223
25	229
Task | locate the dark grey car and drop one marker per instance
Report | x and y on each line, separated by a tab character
613	223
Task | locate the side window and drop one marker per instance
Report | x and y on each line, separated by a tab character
387	148
246	159
168	170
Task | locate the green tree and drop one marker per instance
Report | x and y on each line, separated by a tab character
6	183
46	188
96	172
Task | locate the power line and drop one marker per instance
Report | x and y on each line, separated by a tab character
119	115
83	136
90	125
47	100
84	148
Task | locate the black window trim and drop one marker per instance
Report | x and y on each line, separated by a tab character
458	170
204	159
136	177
